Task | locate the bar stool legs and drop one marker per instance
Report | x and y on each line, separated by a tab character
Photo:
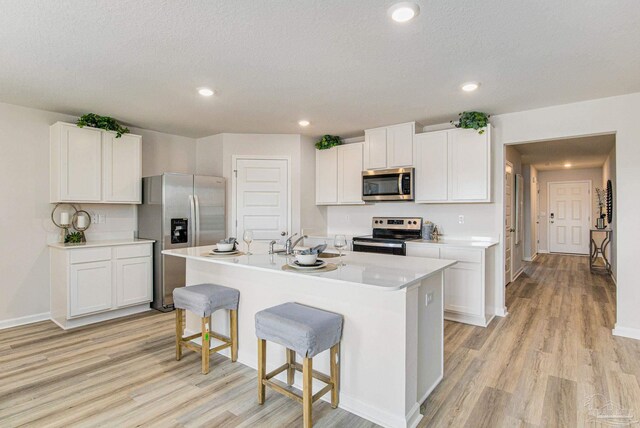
179	332
335	374
307	398
262	369
206	334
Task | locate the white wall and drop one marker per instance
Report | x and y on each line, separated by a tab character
24	192
609	173
208	155
607	115
545	177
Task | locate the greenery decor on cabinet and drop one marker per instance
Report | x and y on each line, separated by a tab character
328	141
102	122
73	238
472	120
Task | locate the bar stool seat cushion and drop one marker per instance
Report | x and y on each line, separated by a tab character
204	299
306	330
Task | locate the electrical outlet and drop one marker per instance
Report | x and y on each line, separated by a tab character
460	219
94	218
429	299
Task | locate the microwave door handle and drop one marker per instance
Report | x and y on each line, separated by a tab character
400	190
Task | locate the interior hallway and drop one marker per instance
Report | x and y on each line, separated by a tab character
540	365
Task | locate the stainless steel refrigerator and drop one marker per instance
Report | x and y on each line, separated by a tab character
179	211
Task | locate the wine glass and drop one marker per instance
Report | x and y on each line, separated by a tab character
340	242
248	239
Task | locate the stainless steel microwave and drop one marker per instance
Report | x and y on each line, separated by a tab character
388	185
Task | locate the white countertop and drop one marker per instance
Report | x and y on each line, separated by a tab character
377	271
103	243
455	243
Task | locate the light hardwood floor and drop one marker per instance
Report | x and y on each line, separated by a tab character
537	367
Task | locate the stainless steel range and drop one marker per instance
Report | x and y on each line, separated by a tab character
389	235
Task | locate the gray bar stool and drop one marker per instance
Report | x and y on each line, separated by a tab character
203	300
307	331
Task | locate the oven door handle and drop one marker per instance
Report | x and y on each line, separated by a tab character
377	244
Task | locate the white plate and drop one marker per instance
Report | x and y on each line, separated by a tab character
224	253
302	267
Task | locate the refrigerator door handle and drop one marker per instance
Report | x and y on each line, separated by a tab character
192	205
197	222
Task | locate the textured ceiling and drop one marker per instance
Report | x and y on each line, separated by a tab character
342	64
581	152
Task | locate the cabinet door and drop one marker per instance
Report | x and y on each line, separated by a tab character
133	281
122	166
469	165
400	145
375	148
432	166
463	289
90	288
327	176
350	173
80	164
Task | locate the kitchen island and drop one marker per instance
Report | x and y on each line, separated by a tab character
392	344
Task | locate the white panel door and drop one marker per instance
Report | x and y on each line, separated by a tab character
375	148
431	166
468	165
133	281
262	198
508	221
350	173
400	145
122	166
80	164
90	288
569	217
327	176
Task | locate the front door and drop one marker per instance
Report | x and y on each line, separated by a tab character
569	217
262	198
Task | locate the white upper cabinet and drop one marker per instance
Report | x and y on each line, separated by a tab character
350	173
400	145
122	163
389	147
453	166
432	166
76	164
375	148
470	173
327	176
339	175
91	165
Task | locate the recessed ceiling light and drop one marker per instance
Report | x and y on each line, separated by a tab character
205	92
303	123
470	86
567	165
404	11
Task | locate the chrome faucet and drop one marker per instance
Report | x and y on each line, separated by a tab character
289	245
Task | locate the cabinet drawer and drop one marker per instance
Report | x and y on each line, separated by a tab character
89	255
129	251
471	256
419	250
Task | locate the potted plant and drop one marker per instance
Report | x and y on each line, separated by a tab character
328	141
601	202
472	120
102	122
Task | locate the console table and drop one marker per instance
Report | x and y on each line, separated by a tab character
596	250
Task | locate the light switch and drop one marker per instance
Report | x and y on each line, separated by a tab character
460	219
429	299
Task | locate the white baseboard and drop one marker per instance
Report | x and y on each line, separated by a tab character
518	274
614	279
480	321
30	319
543	252
502	312
630	332
532	258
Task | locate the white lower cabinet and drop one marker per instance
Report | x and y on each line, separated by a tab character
133	277
95	284
468	292
90	288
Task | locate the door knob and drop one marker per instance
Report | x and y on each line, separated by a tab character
512	230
